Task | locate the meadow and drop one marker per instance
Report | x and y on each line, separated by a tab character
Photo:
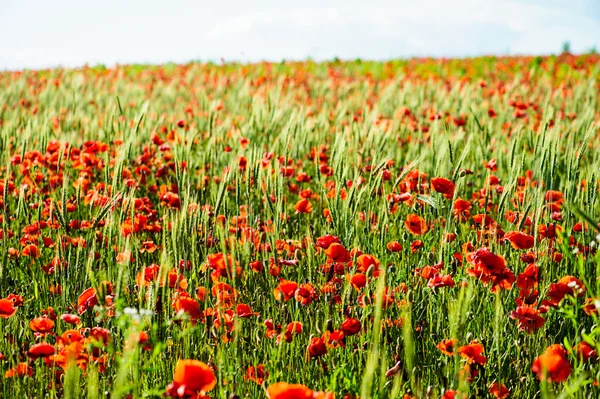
420	228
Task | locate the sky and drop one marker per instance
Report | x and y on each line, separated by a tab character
43	34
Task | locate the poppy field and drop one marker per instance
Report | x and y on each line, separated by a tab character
420	229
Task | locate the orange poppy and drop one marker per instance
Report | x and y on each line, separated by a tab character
32	250
41	324
87	300
554	196
553	363
21	370
365	261
499	391
334	339
283	390
591	306
447	346
147	275
303	206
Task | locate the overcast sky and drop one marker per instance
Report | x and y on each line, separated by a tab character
47	33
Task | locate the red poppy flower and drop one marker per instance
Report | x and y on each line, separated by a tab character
549	231
461	209
147	275
187	305
491	165
243	310
306	294
272	330
69	337
337	253
586	352
358	281
191	378
394	246
87	300
567	285
256	374
443	186
415	246
473	352
591	306
317	347
519	240
415	224
334	339
101	335
490	269
325	241
554	363
438	281
365	261
351	326
450	394
528	319
554	196
176	280
70	318
21	370
7	308
43	349
293	328
32	250
528	279
148	247
285	290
